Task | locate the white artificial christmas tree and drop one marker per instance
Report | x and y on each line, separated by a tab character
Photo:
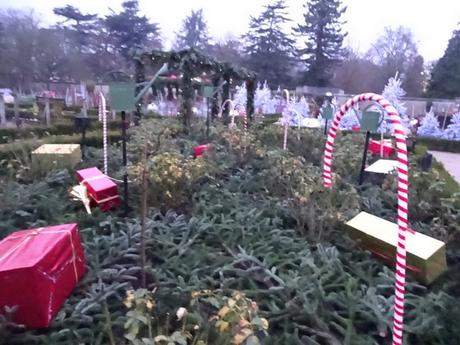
429	126
452	132
240	97
349	120
263	99
393	92
301	106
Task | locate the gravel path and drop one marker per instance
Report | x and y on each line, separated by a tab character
451	162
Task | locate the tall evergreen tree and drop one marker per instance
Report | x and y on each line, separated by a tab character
76	24
131	30
270	50
445	77
194	32
323	36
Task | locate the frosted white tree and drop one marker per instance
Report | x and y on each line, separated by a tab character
240	96
429	126
393	92
452	132
349	120
301	106
263	99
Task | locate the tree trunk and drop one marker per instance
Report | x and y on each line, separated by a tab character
2	112
143	218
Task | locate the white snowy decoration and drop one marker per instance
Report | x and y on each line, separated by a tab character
240	97
429	126
452	132
393	92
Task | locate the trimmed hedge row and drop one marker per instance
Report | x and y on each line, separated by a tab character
93	138
440	144
8	135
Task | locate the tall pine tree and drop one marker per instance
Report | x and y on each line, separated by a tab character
194	32
131	30
270	50
80	24
323	36
445	77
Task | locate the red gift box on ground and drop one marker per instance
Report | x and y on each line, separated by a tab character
102	191
198	150
38	270
375	146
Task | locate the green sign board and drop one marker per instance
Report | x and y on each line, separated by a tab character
122	96
208	91
370	121
327	112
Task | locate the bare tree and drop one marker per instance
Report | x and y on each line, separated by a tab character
394	50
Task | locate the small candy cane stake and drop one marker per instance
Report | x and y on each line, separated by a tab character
103	117
403	172
285	118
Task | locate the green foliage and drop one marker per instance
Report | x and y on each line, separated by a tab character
194	32
269	48
323	38
440	144
131	30
445	80
261	224
60	128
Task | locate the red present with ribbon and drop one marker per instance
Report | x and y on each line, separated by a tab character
375	147
38	270
198	150
100	189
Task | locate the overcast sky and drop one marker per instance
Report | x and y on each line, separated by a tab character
432	21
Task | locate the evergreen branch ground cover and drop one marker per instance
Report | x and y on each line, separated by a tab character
246	218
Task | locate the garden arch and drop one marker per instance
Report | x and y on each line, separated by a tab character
191	63
403	199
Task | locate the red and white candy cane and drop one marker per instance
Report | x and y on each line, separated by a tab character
399	133
286	119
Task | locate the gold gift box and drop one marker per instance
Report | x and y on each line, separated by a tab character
56	156
426	256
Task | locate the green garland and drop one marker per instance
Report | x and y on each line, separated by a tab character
190	63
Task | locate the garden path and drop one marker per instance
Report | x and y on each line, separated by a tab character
450	161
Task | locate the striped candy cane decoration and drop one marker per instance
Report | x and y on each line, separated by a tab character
103	117
399	133
285	133
285	119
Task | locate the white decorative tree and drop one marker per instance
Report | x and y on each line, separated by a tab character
393	92
452	132
429	126
263	99
240	97
301	106
349	120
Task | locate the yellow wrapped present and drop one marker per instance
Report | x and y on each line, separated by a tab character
56	156
426	256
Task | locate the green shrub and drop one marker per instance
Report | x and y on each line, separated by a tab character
440	144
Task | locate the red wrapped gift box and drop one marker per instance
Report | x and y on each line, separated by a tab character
38	270
375	146
198	150
102	191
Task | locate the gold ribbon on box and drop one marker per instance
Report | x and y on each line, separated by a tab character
80	192
37	232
